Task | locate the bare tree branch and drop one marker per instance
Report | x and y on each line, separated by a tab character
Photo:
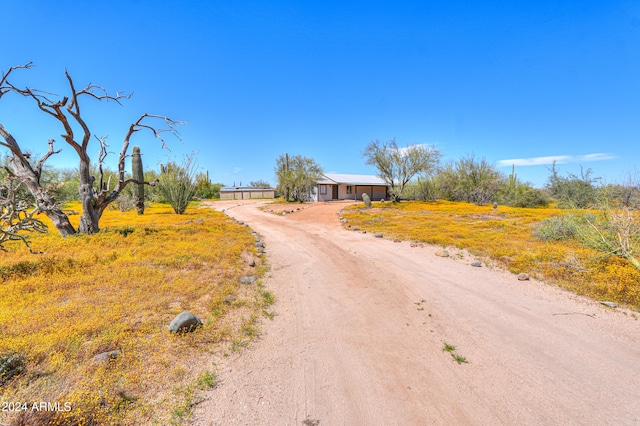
15	217
45	157
102	154
4	76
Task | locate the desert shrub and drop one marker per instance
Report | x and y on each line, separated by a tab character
612	232
124	203
573	191
424	189
205	189
557	228
532	198
471	180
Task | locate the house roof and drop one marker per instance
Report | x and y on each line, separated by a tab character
244	188
345	179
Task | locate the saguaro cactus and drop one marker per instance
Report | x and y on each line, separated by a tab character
138	174
366	199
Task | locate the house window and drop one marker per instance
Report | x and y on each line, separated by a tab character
323	189
349	190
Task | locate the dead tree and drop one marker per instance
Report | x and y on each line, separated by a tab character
95	194
17	215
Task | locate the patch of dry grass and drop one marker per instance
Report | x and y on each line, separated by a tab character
504	235
118	291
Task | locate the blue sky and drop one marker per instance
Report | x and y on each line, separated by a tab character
514	82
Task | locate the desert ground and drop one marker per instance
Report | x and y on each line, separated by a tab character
362	323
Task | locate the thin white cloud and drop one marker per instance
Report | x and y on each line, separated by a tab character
558	159
594	157
237	169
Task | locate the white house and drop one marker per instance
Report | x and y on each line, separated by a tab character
335	186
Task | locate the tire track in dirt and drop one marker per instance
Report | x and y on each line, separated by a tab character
360	327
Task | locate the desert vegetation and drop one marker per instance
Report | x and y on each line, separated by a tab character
297	176
85	323
589	255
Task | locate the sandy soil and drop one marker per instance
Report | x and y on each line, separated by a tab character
360	329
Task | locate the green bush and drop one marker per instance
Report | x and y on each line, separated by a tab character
471	180
557	228
177	184
425	189
573	191
531	198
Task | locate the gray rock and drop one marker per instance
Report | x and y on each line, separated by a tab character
260	244
610	304
106	356
184	323
252	263
378	235
442	253
11	364
356	228
523	277
248	279
229	299
345	220
397	241
477	264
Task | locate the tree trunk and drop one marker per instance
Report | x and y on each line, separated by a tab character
44	202
90	215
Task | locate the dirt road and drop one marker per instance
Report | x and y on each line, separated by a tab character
362	322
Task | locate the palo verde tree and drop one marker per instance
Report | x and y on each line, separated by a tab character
297	176
95	192
397	166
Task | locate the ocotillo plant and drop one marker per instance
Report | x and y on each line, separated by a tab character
138	174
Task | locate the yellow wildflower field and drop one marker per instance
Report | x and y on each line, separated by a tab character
116	292
504	236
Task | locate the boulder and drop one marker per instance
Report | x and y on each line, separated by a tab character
184	323
477	264
523	277
106	356
11	364
442	253
378	235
